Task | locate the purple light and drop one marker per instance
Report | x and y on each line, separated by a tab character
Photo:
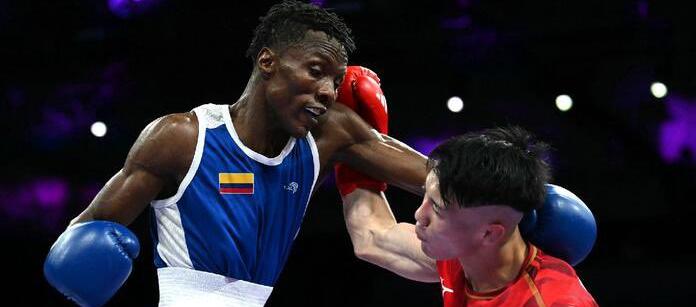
54	128
72	107
42	202
677	136
425	145
130	8
56	123
319	3
643	9
50	193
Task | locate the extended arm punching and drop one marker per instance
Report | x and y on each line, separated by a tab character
375	234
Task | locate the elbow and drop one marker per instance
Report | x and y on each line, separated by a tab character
365	249
361	251
364	253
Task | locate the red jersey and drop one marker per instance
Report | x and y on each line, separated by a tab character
543	281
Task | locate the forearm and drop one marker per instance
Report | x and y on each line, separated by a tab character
365	218
412	173
404	256
385	158
377	237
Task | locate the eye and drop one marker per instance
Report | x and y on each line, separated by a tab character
436	207
315	71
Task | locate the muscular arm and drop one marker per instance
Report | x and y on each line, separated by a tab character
345	137
377	237
155	165
388	159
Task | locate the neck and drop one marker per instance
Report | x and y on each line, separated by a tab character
252	122
495	268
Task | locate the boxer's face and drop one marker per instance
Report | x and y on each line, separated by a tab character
446	232
302	82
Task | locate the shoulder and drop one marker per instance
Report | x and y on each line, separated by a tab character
558	282
565	292
553	267
559	285
167	144
171	126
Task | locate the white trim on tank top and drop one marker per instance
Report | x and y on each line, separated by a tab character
193	168
171	242
248	151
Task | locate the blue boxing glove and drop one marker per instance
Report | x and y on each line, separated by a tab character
564	227
90	261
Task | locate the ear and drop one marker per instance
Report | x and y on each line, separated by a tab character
494	233
265	62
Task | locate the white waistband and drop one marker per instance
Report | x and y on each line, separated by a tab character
186	287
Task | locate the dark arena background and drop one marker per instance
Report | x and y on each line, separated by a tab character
609	84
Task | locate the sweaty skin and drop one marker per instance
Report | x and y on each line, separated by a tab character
290	93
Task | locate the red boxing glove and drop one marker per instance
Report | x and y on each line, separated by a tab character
360	91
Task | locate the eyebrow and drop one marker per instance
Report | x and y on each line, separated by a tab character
327	53
326	58
328	61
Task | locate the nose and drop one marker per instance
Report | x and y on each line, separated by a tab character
326	94
421	215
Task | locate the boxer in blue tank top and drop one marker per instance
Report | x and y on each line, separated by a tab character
237	212
229	185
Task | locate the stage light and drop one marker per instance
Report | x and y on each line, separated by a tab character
658	89
564	102
98	129
455	104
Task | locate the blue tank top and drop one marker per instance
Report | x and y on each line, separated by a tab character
236	212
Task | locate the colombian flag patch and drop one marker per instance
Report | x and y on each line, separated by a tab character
236	183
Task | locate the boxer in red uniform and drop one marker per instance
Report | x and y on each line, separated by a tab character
466	235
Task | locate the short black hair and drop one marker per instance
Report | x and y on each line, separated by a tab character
500	166
287	22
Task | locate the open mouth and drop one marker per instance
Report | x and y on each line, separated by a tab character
315	111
